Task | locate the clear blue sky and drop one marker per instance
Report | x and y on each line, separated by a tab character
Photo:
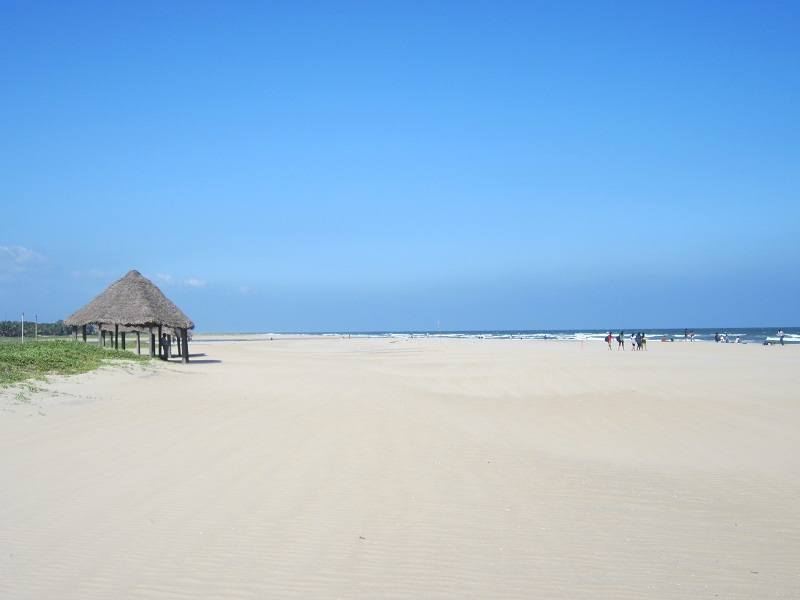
362	166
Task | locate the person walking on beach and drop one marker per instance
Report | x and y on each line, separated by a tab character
643	341
780	336
609	337
621	341
633	341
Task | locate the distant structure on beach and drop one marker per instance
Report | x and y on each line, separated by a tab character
132	304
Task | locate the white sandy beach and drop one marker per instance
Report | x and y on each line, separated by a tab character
409	468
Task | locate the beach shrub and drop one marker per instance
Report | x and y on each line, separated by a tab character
35	360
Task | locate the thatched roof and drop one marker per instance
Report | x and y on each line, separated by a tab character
133	301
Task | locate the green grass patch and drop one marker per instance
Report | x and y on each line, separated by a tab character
36	360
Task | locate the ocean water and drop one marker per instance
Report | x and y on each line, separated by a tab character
748	335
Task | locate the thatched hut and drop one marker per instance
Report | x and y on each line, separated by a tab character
132	304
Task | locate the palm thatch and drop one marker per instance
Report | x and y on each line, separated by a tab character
133	301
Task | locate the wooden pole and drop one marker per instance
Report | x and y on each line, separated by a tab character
160	349
100	339
123	340
75	331
152	344
178	340
83	331
116	336
185	343
138	342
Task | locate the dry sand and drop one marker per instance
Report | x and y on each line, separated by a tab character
425	468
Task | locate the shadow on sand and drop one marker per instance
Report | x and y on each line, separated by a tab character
195	359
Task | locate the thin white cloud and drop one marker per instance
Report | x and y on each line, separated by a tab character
171	280
19	259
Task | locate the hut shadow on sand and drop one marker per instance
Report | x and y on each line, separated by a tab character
134	304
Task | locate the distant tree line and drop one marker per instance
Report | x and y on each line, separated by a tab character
13	329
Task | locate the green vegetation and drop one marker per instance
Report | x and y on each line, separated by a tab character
14	329
35	360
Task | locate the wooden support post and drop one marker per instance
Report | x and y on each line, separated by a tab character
116	336
138	342
160	348
152	344
185	344
179	342
102	334
75	331
83	331
100	339
123	340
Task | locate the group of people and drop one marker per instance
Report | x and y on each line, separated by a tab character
725	338
638	340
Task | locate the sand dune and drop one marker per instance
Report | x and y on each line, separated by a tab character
424	468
